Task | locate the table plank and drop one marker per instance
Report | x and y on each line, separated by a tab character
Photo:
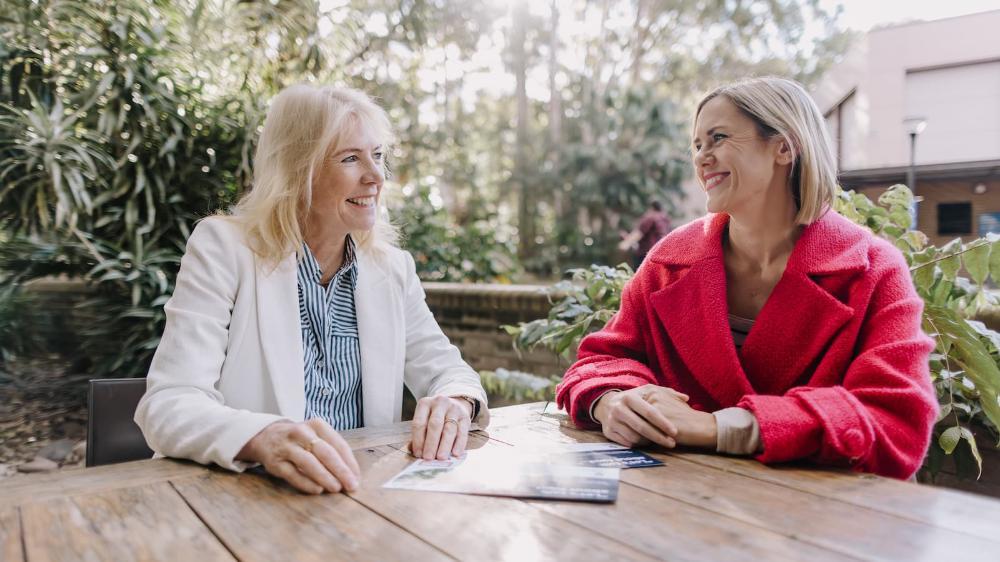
948	509
142	522
798	514
260	518
10	535
940	507
666	528
40	487
470	527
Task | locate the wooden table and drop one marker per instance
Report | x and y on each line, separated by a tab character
696	507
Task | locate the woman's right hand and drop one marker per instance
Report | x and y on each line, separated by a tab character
309	455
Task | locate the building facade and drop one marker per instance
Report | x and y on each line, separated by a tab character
923	98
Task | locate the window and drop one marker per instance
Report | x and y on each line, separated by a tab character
954	218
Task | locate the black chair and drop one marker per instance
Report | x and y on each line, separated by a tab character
112	436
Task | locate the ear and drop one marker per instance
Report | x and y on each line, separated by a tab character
785	155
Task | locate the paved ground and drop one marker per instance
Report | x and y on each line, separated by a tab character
43	416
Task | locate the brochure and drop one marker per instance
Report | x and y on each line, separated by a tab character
500	475
608	455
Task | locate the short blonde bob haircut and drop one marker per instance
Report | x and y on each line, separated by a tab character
304	124
781	107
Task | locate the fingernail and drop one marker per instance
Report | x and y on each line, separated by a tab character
352	485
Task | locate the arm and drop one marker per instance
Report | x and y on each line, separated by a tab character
613	358
182	414
880	418
434	367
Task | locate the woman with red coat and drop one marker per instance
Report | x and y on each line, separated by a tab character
773	326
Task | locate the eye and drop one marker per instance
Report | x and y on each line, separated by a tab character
718	136
351	158
378	156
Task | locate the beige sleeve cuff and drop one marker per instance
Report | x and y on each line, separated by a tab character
738	432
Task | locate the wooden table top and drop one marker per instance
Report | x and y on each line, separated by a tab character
695	507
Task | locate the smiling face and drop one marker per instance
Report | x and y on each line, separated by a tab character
347	186
734	164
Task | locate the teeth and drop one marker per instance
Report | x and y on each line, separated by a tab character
715	180
363	201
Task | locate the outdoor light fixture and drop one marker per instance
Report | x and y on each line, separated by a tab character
979	189
914	126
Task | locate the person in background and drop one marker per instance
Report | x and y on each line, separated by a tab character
773	326
297	317
653	225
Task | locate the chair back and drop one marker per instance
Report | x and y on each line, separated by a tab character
112	435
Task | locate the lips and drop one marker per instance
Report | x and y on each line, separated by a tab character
714	179
367	201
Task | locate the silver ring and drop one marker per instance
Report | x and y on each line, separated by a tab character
451	420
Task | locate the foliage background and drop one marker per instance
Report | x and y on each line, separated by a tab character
530	133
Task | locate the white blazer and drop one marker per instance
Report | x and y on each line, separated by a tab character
230	361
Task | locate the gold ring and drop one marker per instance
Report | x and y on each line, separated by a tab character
309	445
451	420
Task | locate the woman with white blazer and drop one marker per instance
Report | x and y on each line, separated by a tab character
299	306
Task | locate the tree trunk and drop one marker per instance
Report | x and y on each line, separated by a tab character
525	214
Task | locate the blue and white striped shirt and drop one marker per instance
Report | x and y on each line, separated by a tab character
330	344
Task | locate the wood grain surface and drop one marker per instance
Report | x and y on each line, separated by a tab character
698	506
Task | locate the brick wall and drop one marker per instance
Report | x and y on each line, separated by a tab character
470	315
941	191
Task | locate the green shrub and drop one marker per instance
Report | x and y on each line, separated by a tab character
965	364
516	387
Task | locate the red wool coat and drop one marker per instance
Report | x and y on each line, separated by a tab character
835	368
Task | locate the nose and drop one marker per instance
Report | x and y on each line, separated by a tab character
702	158
374	173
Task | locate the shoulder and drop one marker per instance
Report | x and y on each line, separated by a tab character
690	242
844	234
221	239
394	263
218	229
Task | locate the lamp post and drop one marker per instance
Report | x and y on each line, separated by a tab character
914	126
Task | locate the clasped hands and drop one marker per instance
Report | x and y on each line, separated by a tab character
313	458
654	414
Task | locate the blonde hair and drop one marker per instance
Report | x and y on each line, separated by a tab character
781	107
303	124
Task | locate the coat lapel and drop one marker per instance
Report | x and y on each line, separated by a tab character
281	334
800	317
379	334
693	312
793	329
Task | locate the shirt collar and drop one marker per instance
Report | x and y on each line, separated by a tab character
309	268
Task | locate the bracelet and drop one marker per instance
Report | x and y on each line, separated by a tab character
473	402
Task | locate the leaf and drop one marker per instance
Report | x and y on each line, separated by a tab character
949	439
950	265
970	439
976	260
923	278
945	412
995	265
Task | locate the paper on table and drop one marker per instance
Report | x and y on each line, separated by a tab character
609	455
508	472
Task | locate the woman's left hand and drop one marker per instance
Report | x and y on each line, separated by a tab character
694	427
440	427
